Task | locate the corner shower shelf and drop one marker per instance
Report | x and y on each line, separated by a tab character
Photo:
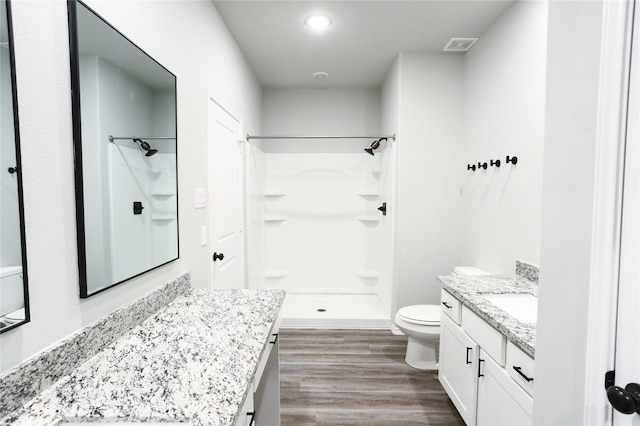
276	274
274	219
163	217
274	195
369	194
369	219
368	274
167	193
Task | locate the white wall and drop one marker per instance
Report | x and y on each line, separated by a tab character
429	152
200	51
504	94
573	60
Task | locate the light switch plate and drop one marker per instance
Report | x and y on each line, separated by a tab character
200	198
203	235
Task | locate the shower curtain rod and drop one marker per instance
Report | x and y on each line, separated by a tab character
114	138
249	137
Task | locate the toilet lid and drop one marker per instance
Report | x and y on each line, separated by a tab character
421	314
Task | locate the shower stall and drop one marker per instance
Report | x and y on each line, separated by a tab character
322	210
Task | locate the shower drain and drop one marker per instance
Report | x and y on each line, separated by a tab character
322	310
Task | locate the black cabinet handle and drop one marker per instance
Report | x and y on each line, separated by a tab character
468	350
519	371
513	160
480	367
446	305
274	340
217	256
253	418
627	400
495	163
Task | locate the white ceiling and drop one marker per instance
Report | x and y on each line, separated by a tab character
360	46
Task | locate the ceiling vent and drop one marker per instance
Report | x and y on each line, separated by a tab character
460	44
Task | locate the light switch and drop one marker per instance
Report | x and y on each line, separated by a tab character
203	235
200	198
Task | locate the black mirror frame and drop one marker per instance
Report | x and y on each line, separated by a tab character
16	130
77	144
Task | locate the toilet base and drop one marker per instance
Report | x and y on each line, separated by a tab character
422	355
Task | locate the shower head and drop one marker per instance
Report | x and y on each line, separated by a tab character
374	145
146	147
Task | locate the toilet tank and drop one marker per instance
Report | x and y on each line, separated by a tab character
469	271
11	289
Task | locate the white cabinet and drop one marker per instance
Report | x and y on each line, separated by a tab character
458	369
474	370
246	412
501	402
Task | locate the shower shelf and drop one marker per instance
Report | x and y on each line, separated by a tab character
274	219
369	194
368	274
163	193
274	195
276	274
163	218
369	219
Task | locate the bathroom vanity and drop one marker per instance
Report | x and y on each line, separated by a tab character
487	347
209	357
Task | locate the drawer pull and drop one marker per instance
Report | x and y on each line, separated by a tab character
274	340
446	305
252	421
480	367
469	350
519	371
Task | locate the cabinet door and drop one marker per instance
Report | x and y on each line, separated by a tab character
458	370
501	402
267	394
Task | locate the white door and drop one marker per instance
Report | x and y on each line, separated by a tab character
225	194
627	363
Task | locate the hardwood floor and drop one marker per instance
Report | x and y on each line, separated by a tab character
356	377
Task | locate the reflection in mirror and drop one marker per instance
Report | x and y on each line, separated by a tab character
14	300
124	118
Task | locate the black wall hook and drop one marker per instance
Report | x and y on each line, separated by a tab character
12	170
482	166
495	163
513	160
471	167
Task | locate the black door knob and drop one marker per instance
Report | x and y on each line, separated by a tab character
625	400
217	256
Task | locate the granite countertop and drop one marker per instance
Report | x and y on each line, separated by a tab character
468	289
192	361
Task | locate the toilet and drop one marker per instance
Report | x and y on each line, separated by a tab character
421	323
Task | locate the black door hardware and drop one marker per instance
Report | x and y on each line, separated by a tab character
483	166
12	170
446	305
513	160
471	167
627	400
274	340
137	207
252	420
217	256
495	163
383	209
519	371
468	350
480	367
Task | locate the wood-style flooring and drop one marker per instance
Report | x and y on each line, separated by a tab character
356	377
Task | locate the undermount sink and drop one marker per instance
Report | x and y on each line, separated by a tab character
523	307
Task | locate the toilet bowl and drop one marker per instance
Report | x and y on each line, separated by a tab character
421	323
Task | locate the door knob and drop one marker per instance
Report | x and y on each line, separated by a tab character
625	400
217	256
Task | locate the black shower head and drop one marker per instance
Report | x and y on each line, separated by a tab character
369	150
374	145
145	145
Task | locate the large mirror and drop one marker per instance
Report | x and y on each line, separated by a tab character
124	130
14	295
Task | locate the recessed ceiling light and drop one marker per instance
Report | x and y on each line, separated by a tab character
318	22
320	75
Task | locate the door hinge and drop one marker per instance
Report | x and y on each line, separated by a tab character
609	379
